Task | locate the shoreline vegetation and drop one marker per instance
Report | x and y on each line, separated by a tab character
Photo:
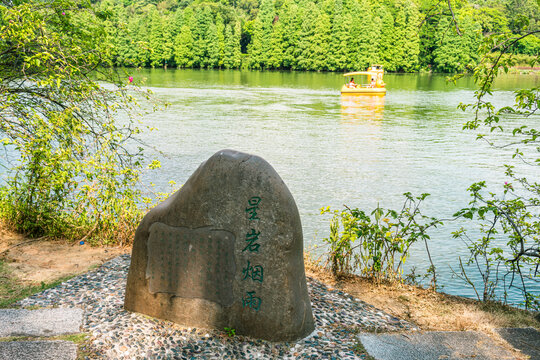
330	35
518	68
426	308
73	173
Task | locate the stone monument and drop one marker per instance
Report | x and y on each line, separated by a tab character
226	250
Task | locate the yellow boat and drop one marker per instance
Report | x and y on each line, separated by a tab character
375	84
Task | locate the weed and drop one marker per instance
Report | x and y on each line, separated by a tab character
359	349
231	332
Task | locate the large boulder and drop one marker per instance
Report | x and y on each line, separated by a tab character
226	250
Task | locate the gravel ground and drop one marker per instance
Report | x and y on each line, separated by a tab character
118	334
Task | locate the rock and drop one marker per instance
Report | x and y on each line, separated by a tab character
226	250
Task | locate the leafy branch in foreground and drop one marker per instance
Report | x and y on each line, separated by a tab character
517	218
499	58
72	165
514	218
378	245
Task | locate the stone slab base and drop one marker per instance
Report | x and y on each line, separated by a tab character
430	345
38	350
43	322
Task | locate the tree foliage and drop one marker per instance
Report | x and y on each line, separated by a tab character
70	172
336	35
513	213
457	53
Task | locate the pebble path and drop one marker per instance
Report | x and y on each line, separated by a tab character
119	334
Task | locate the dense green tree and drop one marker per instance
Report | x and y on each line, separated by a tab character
303	34
365	37
232	55
266	17
341	38
492	19
177	22
142	45
123	42
237	52
228	50
529	45
321	43
291	18
156	39
275	60
428	40
200	31
220	31
109	25
211	44
387	39
255	48
523	15
183	48
406	40
168	42
455	52
306	45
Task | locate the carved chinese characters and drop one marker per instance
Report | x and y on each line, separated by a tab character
224	251
254	272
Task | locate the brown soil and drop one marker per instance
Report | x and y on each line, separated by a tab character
34	261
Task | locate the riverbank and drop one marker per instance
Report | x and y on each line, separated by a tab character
428	309
369	307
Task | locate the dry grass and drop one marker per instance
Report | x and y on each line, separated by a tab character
428	309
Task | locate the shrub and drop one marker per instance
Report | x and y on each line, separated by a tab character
377	245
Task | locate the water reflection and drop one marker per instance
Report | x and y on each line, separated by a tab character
356	108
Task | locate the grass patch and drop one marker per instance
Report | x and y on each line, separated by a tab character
75	338
359	349
13	290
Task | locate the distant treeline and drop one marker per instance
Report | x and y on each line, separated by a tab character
334	35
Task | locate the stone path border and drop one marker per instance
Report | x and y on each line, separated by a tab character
526	340
429	345
42	322
38	350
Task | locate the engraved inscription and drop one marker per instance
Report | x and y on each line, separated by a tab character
254	272
191	263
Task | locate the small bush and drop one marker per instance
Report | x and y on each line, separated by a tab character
376	245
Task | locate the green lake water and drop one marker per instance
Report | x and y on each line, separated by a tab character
333	150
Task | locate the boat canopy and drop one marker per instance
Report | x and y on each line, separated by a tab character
359	73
